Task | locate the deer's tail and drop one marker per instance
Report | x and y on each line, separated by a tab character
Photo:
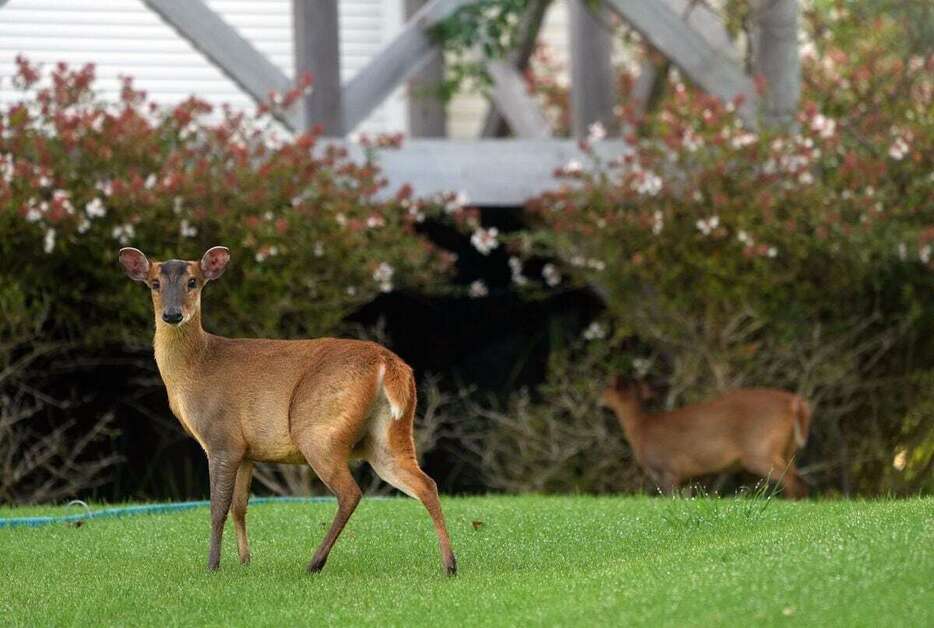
801	420
399	386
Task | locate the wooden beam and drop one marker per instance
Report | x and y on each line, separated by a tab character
690	51
316	27
511	97
650	84
228	50
427	112
492	172
593	80
775	58
402	58
495	124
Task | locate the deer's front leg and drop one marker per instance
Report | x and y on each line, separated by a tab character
223	475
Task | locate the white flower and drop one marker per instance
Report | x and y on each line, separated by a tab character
187	230
924	254
150	182
48	243
648	184
806	178
572	167
95	208
515	266
744	237
383	276
354	138
596	132
104	187
318	249
34	212
707	226
375	221
744	139
641	366
551	275
83	225
177	205
772	252
595	331
596	264
478	289
45	182
457	203
824	126
123	233
899	149
691	141
416	214
484	240
902	251
658	222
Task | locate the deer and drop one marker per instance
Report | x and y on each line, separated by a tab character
756	429
321	402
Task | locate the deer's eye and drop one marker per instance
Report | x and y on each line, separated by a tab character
155	285
192	284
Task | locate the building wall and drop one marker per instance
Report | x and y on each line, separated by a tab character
124	38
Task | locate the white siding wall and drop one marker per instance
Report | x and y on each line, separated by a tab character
124	38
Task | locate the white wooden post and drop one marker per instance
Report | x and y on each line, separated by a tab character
317	52
775	58
593	82
427	114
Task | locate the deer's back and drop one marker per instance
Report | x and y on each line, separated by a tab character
716	434
252	385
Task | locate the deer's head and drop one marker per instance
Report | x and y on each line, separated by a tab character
623	395
175	284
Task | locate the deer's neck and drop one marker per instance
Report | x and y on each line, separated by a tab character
631	417
179	350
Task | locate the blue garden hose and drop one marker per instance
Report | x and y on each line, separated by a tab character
148	509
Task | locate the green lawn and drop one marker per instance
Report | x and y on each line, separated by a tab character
532	560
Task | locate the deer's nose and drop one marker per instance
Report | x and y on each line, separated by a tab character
172	317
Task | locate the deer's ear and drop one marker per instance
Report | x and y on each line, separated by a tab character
214	261
134	263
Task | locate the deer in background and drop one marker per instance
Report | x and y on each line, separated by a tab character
319	402
757	429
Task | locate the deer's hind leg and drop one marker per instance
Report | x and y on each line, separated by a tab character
326	431
391	453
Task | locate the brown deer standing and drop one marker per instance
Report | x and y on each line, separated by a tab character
757	429
322	402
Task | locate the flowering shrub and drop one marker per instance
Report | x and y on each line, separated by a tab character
310	237
799	259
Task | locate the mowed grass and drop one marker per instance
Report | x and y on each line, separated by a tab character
569	561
